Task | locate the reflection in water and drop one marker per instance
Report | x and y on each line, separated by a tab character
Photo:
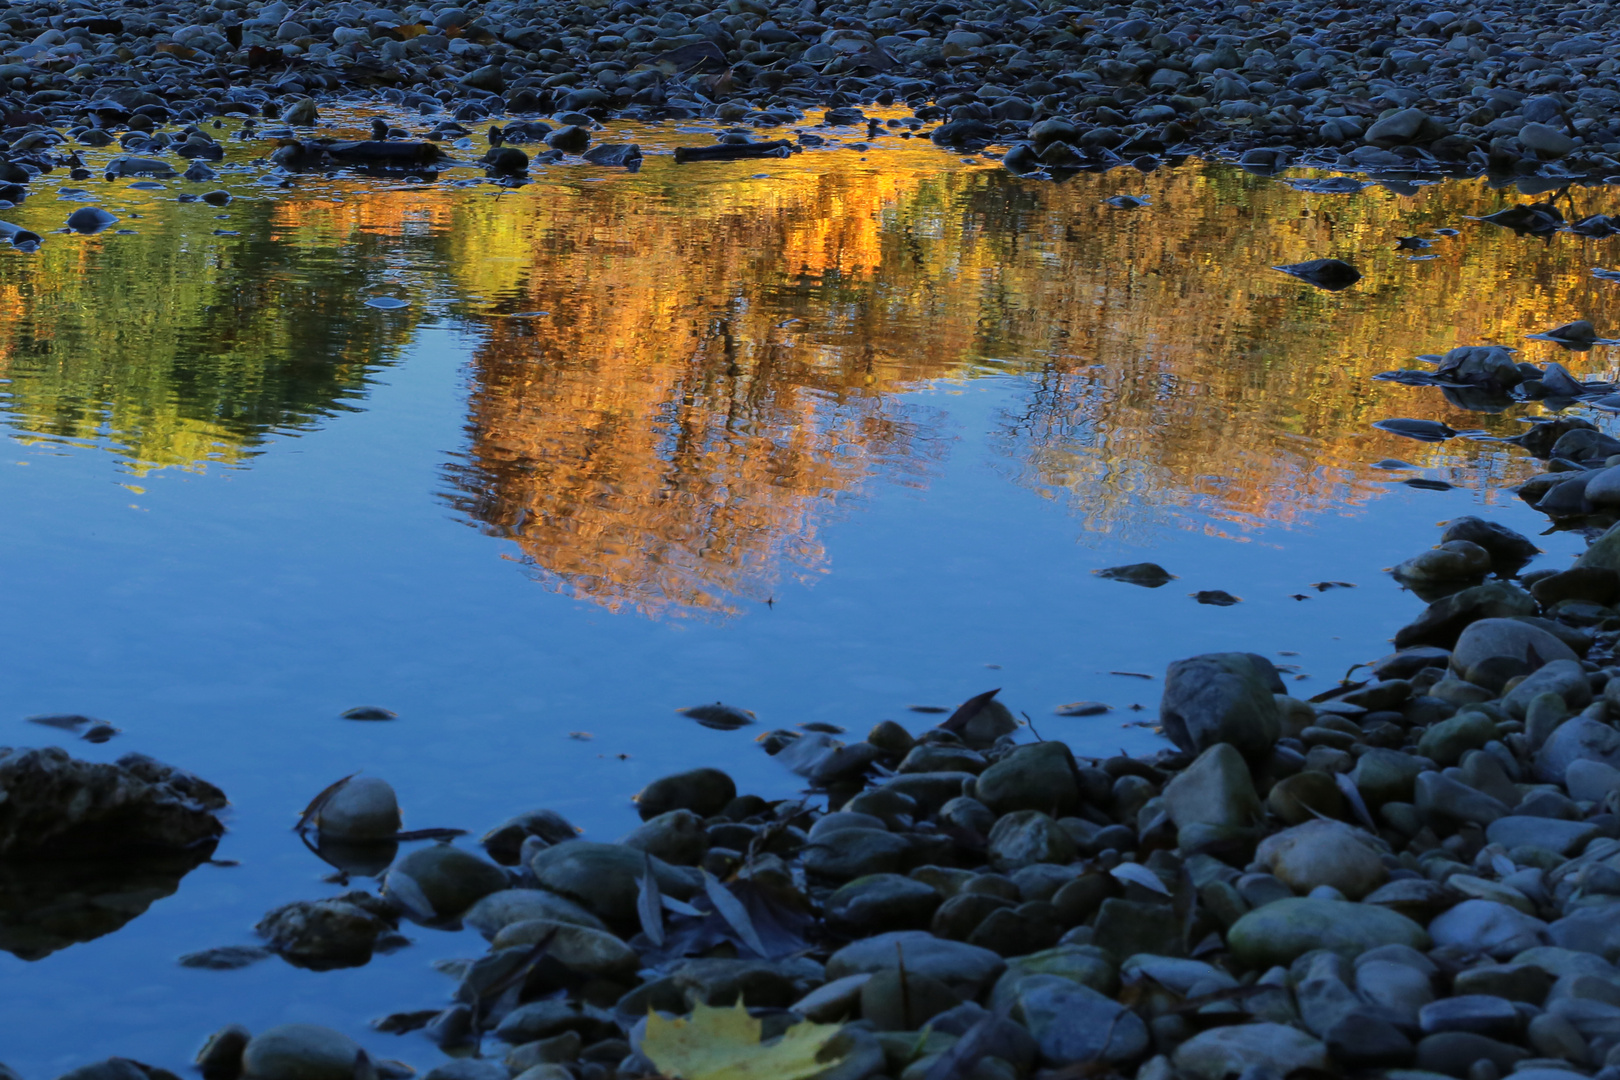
712	341
177	349
680	373
46	906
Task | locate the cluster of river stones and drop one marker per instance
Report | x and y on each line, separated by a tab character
1512	87
1415	874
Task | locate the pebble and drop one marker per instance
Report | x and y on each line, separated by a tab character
300	1052
448	879
364	808
1485	926
1282	931
1073	1023
1226	1051
1222	697
968	968
1323	853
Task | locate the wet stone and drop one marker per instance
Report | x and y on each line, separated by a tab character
1479	1014
1286	929
967	968
322	934
854	853
300	1052
449	880
1227	1051
704	792
1073	1023
884	902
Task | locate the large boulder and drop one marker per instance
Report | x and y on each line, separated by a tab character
1073	1023
1566	678
1480	365
1027	837
495	912
1222	697
55	806
1509	550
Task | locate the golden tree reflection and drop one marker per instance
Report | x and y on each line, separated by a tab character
680	374
737	343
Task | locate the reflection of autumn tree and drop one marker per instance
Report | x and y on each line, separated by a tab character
1168	368
678	474
180	347
1172	368
723	345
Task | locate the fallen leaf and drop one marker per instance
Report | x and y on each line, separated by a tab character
313	810
736	916
1137	874
648	908
723	1044
1352	795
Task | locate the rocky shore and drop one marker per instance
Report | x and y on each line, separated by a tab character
1511	89
1415	874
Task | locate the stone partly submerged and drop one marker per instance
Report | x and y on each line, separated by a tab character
58	807
85	847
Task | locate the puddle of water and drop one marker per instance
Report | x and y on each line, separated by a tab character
824	437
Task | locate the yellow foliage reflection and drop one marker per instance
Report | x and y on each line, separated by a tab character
679	374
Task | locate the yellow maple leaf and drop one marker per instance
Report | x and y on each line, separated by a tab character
723	1044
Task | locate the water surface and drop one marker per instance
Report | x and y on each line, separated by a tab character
824	438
